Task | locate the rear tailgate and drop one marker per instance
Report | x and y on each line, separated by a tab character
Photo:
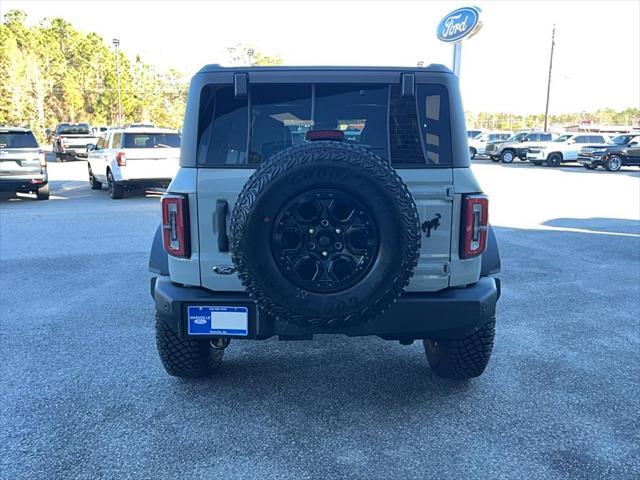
433	194
217	185
150	163
17	162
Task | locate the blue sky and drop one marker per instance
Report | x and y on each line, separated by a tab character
504	67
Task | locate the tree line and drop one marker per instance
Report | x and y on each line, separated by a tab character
52	72
507	121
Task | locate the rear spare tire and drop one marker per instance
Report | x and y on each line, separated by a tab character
325	234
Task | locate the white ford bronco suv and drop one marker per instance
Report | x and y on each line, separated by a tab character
324	200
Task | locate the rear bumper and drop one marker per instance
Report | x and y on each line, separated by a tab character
145	182
23	183
450	313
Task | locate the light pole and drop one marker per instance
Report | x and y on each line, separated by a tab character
546	108
116	44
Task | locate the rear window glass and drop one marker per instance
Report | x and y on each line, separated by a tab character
411	131
80	129
151	140
17	140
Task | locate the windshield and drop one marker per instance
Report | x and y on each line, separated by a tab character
562	138
151	140
621	139
80	129
517	137
17	140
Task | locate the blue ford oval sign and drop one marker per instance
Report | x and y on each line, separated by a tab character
459	24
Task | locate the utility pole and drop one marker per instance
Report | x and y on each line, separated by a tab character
116	44
546	110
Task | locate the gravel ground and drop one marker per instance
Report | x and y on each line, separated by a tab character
83	394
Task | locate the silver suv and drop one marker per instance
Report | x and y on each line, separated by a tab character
325	200
23	166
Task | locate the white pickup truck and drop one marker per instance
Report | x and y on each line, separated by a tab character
133	157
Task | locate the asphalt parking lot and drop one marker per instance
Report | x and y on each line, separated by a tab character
84	394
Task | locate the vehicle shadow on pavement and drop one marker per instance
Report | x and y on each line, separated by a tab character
600	225
567	167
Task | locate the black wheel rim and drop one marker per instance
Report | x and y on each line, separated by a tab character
325	241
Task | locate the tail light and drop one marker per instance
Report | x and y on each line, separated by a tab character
475	219
175	225
43	158
121	158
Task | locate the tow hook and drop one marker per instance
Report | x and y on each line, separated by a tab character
219	343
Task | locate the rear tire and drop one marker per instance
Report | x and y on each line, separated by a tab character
95	184
464	358
115	190
185	357
43	193
554	160
472	153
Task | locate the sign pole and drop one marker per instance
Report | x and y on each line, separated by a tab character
457	56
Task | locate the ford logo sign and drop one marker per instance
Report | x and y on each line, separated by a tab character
459	24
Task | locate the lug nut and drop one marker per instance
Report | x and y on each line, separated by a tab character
338	231
324	254
311	231
338	245
324	222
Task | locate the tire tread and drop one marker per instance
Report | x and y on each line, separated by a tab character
463	358
185	357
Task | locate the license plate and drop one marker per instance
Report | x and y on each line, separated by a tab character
218	320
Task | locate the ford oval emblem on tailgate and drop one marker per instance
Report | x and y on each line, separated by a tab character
224	269
459	24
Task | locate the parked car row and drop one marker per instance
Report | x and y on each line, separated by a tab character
126	158
589	149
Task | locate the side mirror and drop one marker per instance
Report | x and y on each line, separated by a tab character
90	146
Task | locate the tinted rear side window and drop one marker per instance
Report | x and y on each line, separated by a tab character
117	140
404	130
222	127
17	140
433	110
151	140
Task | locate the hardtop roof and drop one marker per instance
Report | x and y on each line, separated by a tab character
433	68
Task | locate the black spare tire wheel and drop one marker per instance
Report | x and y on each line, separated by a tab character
325	234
